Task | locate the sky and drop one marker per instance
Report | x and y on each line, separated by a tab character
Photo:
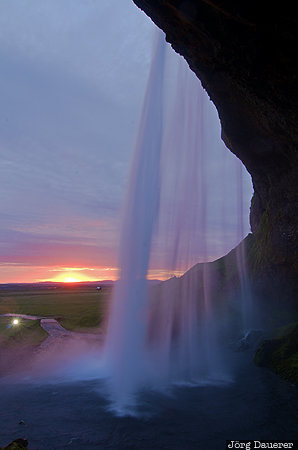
73	78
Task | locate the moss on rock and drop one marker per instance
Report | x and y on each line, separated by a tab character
260	252
18	444
280	354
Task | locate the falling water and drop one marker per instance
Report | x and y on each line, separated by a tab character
126	332
168	335
245	288
182	328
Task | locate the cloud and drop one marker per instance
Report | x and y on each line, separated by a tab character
73	79
73	76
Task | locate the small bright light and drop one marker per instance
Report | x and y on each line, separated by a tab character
15	322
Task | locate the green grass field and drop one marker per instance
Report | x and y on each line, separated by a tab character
77	309
27	332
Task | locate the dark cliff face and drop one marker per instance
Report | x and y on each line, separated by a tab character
246	59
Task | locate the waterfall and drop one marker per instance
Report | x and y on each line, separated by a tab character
246	308
168	335
126	330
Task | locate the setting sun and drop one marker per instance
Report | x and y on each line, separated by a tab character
70	280
71	274
71	277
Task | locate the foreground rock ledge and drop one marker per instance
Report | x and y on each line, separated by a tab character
246	59
18	444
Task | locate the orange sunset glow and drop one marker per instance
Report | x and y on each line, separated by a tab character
70	279
78	274
19	273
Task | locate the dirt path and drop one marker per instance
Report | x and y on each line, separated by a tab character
53	328
59	335
55	331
